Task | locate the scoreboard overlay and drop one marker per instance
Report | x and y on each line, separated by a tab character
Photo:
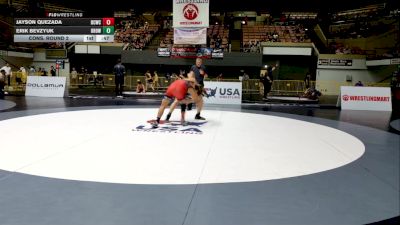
64	30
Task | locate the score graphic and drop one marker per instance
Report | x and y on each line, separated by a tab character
108	22
64	30
108	30
108	26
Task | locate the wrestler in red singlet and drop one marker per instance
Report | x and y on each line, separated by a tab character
178	89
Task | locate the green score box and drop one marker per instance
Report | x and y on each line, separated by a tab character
108	30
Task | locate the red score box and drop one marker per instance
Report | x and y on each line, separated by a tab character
108	22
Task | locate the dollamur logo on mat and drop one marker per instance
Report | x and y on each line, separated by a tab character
174	127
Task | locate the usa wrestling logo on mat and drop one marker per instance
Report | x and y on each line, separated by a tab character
174	127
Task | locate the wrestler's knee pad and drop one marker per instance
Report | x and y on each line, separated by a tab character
183	107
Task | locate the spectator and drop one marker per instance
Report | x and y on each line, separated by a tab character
275	37
43	72
22	78
245	81
7	70
359	84
219	77
74	76
86	75
140	87
98	78
307	80
182	74
346	50
174	76
2	83
119	72
155	80
312	93
168	77
267	80
82	73
218	42
32	71
53	71
149	80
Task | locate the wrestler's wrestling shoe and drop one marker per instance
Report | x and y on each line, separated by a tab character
198	117
154	124
168	117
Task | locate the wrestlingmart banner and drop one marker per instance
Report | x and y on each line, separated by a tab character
366	98
190	13
190	36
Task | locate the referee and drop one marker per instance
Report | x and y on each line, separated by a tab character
200	73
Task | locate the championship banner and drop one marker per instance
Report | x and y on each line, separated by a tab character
366	98
190	13
46	86
226	93
190	36
191	53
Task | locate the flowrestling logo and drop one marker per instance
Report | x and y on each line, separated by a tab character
172	127
365	98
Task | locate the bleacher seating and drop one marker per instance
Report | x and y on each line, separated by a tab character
168	40
135	34
300	15
341	49
366	11
360	22
272	33
218	36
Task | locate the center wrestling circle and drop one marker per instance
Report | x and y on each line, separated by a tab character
119	146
